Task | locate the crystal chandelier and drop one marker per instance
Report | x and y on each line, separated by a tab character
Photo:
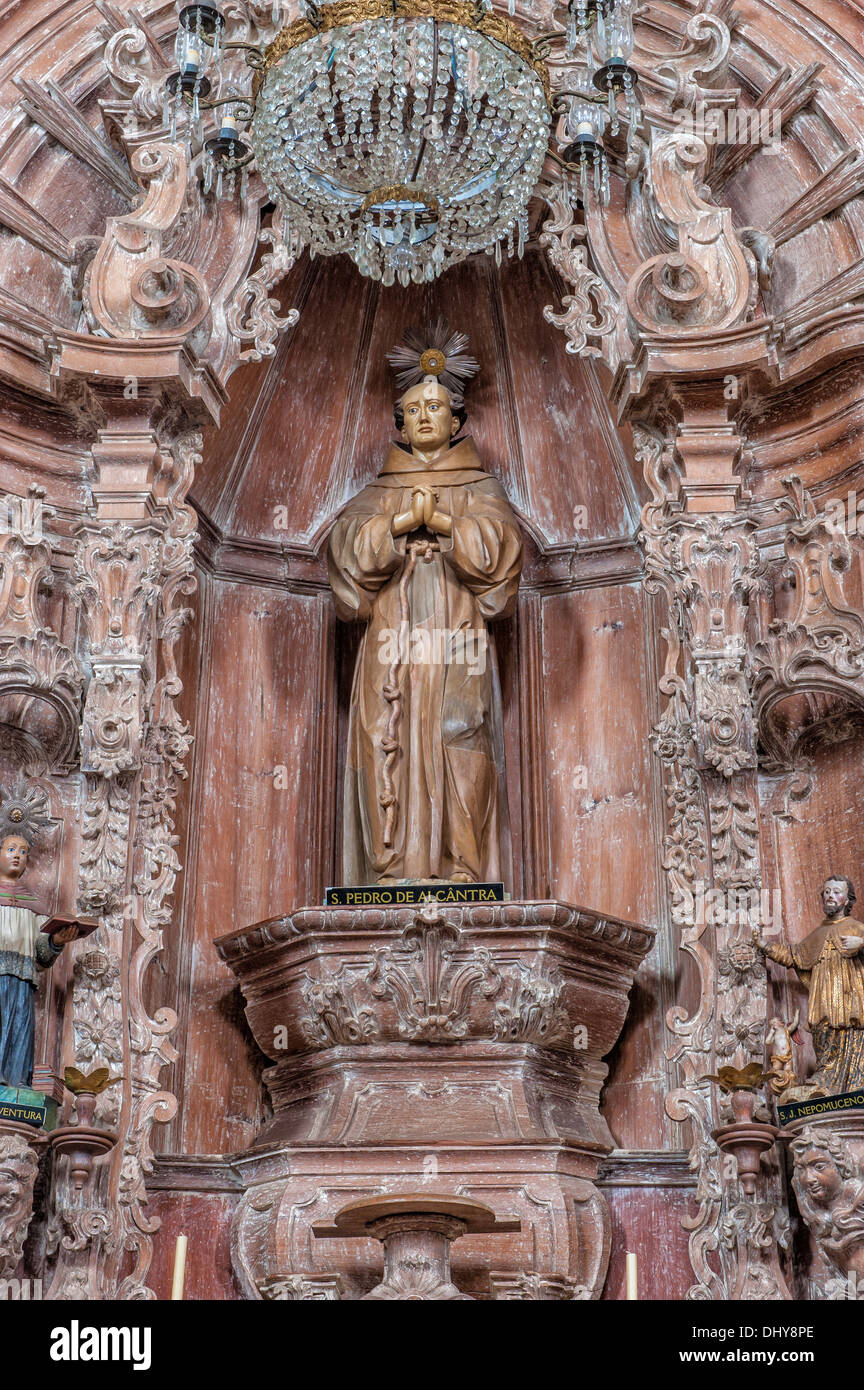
408	134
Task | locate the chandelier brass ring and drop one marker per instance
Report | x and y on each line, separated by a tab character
463	13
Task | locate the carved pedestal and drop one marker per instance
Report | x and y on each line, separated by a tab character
828	1178
416	1231
452	1050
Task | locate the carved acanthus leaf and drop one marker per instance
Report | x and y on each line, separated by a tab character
532	1009
430	987
333	1016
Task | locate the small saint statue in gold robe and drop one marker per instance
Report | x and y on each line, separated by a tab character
830	964
426	555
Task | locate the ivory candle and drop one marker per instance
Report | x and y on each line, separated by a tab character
632	1278
180	1267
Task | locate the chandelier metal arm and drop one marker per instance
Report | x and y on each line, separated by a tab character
254	54
245	109
581	94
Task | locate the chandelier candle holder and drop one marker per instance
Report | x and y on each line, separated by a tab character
613	39
199	42
226	152
584	152
407	134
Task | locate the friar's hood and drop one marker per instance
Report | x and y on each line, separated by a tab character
461	465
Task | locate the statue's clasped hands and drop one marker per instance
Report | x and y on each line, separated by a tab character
422	512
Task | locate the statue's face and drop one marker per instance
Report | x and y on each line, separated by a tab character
14	853
819	1177
429	421
835	896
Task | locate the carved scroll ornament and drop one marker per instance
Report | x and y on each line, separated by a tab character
135	287
709	281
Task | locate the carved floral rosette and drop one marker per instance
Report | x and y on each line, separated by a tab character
458	1047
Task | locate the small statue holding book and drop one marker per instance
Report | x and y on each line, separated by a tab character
830	964
29	941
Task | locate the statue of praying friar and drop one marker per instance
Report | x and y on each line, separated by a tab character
426	555
830	964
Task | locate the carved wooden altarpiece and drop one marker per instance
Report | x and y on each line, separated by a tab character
717	314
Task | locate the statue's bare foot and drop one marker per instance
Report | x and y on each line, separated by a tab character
461	878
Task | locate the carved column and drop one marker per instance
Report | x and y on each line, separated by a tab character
706	565
694	327
130	575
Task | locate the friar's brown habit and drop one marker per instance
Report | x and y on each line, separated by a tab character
424	779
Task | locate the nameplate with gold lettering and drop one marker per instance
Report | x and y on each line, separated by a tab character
413	894
23	1114
821	1105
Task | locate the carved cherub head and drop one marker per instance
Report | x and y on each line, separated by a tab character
18	1165
822	1166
